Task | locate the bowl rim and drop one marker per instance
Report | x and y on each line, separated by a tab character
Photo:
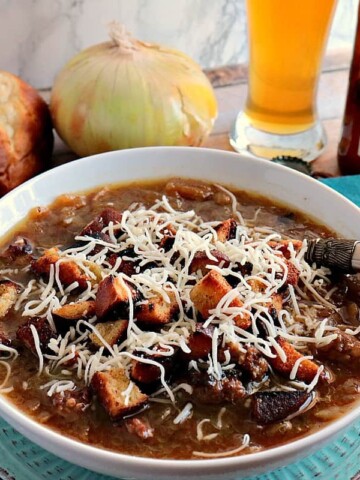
58	441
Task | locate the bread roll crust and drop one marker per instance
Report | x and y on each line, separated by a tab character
26	136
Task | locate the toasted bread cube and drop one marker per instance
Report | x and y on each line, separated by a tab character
226	230
283	246
8	296
276	303
76	311
110	387
45	333
128	267
307	368
112	296
200	342
208	292
257	285
69	271
293	274
112	332
201	261
147	373
41	266
101	221
157	311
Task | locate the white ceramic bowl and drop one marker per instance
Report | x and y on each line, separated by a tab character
270	180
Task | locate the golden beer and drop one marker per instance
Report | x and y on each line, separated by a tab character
287	41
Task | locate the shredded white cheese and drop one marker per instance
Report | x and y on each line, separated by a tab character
184	414
37	348
228	453
167	273
3	387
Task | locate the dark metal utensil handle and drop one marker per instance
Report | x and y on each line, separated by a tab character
334	253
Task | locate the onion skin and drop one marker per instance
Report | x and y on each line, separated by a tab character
107	98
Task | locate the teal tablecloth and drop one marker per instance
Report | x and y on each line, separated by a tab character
20	459
347	186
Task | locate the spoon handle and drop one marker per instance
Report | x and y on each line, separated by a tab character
334	253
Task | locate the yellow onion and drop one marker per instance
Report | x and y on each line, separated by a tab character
126	93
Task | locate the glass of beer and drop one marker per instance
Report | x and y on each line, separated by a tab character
287	40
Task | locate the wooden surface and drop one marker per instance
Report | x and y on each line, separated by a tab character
231	87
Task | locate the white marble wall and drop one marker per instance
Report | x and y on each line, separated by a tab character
38	36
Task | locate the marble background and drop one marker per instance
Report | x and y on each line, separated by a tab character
38	36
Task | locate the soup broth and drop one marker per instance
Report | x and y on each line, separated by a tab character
226	342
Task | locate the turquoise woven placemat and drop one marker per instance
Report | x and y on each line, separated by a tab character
21	459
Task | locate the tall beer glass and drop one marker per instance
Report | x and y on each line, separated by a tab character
287	39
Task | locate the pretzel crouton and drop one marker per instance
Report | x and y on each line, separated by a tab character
156	311
112	332
201	261
147	373
226	230
69	271
271	407
8	296
113	296
76	311
307	368
110	387
200	342
208	292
